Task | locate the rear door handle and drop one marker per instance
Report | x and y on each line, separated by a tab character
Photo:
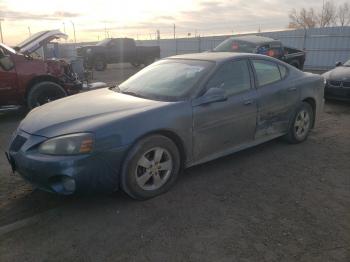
291	89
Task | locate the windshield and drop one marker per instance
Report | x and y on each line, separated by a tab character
347	63
104	42
231	45
166	80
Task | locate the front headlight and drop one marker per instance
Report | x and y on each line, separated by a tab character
75	144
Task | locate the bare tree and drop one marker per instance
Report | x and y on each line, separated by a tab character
343	14
302	19
328	15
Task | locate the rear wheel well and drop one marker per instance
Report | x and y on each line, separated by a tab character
295	63
40	79
312	103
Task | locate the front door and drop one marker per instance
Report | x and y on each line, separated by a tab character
221	126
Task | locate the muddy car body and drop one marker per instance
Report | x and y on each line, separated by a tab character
28	81
176	113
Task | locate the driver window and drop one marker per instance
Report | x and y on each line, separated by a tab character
233	77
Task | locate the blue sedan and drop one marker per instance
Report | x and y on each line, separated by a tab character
178	112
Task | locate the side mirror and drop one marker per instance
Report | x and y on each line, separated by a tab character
212	95
6	63
338	64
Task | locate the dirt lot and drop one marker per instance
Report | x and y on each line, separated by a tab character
274	202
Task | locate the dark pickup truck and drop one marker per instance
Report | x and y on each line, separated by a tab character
117	50
264	46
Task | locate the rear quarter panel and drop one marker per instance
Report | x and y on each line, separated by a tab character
312	87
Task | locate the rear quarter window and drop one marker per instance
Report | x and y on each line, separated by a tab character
283	71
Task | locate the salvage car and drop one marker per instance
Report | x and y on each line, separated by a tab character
28	80
117	50
263	46
338	82
176	113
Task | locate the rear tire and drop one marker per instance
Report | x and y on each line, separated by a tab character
150	168
44	92
301	124
136	64
296	64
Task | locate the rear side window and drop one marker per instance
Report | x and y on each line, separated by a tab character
283	71
234	77
266	72
235	46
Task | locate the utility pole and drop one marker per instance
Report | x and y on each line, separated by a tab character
30	33
64	27
75	38
175	39
2	38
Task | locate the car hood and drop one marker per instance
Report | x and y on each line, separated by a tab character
84	112
341	73
37	40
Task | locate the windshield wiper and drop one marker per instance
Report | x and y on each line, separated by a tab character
131	93
115	88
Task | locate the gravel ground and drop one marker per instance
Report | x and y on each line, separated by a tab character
274	202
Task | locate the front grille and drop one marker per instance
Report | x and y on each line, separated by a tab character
335	83
346	84
339	84
17	143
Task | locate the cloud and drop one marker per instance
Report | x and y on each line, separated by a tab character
16	15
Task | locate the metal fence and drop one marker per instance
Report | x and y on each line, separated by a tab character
323	46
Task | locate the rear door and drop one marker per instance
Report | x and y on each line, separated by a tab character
277	97
8	84
221	126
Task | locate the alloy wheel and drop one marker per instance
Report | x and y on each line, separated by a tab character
154	169
302	124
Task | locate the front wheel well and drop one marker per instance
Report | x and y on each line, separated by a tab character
175	139
39	79
312	103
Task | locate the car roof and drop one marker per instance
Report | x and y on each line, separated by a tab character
255	39
216	56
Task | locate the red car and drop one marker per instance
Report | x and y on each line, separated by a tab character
31	82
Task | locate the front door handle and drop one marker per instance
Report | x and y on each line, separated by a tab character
248	102
291	89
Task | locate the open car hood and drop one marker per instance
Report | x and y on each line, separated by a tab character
39	39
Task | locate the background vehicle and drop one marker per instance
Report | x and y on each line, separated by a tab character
338	82
263	46
117	50
28	81
178	112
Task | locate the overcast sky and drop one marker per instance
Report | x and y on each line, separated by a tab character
137	18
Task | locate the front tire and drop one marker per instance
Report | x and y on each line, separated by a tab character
100	64
151	167
44	92
301	124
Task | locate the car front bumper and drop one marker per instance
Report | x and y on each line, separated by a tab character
96	172
338	93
